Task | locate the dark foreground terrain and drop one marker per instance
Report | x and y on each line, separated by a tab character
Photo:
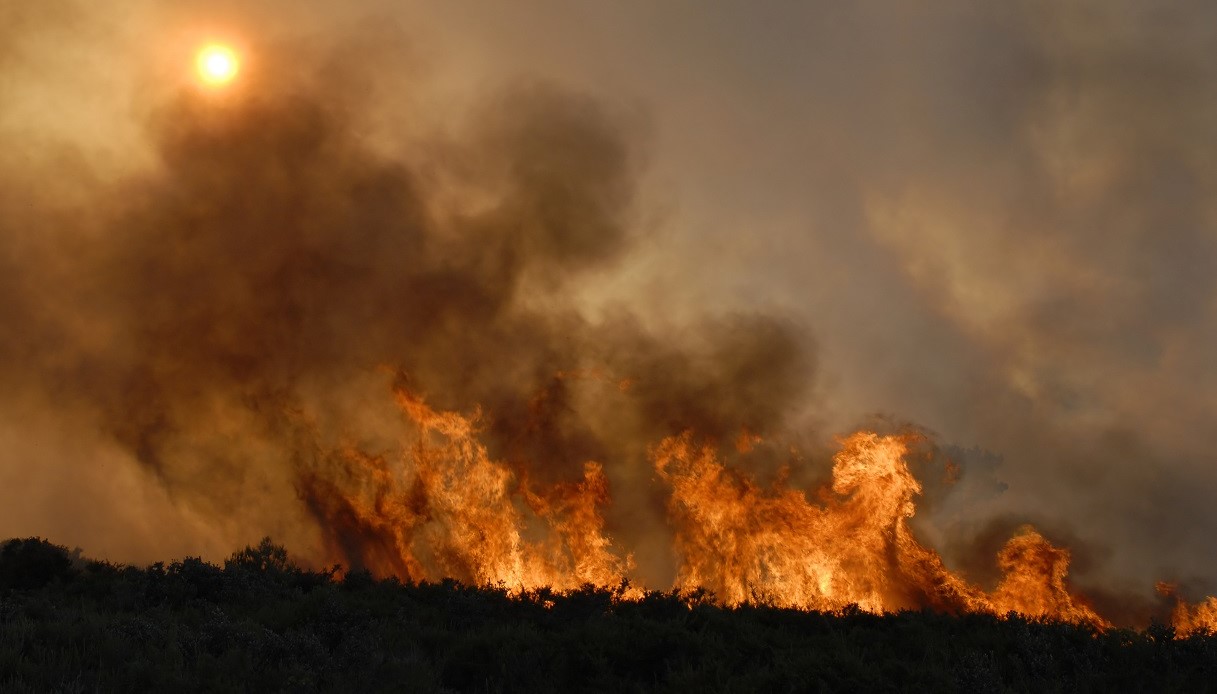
259	623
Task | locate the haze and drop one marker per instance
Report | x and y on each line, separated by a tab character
992	221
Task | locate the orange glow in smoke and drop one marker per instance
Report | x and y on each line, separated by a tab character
217	64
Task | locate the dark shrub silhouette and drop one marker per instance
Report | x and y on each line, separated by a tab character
261	623
32	563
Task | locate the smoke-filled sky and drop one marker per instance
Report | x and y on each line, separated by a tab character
992	221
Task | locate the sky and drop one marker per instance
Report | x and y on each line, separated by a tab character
992	221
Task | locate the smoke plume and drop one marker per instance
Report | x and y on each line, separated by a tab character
247	305
264	312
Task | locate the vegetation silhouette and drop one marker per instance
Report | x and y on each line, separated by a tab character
262	623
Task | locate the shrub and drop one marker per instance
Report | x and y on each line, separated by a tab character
33	563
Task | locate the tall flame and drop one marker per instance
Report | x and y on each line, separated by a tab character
444	508
747	544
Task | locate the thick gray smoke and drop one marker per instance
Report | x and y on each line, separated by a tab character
274	270
998	220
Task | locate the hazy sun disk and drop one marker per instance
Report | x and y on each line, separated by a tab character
218	64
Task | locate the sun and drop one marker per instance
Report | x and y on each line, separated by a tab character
217	64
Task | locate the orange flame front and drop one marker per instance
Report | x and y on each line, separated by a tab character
746	544
445	508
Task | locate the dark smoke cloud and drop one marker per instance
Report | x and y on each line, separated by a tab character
997	219
274	266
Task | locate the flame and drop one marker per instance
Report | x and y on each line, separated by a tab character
748	544
442	507
1035	581
446	510
1188	619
